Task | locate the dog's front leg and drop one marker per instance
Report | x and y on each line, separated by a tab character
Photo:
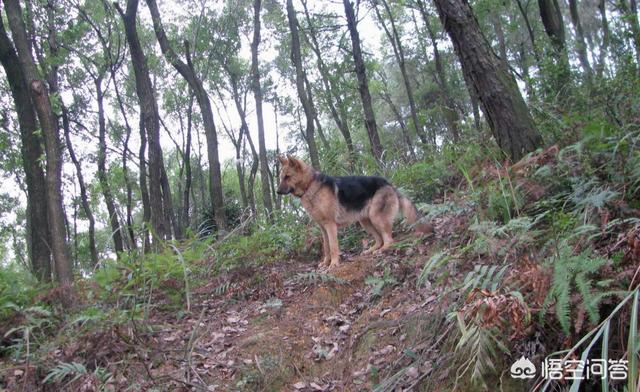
334	250
326	253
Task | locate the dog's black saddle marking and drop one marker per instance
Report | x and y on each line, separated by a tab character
353	191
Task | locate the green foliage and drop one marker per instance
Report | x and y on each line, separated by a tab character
262	245
480	349
378	283
72	371
575	274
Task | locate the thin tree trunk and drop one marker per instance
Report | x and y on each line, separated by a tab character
363	83
339	115
502	103
630	12
554	27
296	58
606	37
125	150
53	179
398	51
38	238
149	112
314	113
451	115
384	94
84	198
187	167
144	190
257	92
581	45
116	232
527	22
188	73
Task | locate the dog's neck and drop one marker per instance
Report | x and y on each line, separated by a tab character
302	191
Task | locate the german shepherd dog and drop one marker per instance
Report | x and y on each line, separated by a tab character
340	201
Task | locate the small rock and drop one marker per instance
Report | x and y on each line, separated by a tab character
300	385
412	373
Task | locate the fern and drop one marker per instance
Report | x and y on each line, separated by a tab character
379	283
483	277
435	261
65	370
479	348
571	272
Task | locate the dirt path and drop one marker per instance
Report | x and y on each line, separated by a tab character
288	327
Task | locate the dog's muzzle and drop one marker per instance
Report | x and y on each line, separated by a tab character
284	191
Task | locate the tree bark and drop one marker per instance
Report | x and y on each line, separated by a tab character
189	74
551	16
144	190
84	198
38	238
296	58
116	231
363	83
257	92
49	126
502	103
187	168
151	122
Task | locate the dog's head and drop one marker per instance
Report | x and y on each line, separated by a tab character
295	176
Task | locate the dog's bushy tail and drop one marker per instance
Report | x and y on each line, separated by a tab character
412	216
409	211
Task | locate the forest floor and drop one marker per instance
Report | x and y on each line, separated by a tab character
284	326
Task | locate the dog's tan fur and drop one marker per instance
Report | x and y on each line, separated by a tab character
322	204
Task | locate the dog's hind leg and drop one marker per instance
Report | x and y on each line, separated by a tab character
368	226
382	214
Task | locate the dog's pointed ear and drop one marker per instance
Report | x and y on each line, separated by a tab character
294	162
283	160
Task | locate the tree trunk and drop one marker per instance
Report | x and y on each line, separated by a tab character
554	27
188	73
527	22
144	190
296	58
187	168
384	94
151	122
257	92
38	238
451	115
125	151
116	232
606	37
630	12
502	103
581	46
84	198
49	127
363	83
398	51
339	115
